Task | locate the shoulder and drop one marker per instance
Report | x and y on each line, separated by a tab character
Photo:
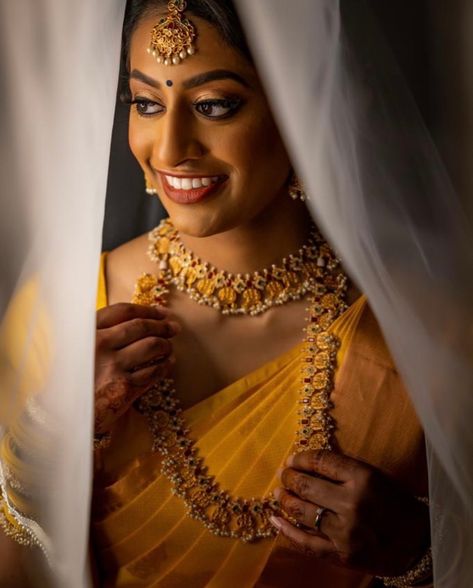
123	266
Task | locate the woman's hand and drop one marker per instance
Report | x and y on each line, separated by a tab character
132	351
370	523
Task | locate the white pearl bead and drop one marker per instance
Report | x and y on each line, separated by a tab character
183	54
167	61
176	60
159	59
190	50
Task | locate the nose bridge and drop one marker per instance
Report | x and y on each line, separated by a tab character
175	140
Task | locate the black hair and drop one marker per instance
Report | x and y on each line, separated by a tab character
219	13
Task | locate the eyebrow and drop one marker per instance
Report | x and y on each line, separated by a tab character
136	74
198	80
212	76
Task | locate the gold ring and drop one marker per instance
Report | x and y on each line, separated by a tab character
318	517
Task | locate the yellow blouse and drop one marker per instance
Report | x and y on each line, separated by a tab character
141	533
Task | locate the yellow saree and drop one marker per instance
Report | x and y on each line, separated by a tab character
141	533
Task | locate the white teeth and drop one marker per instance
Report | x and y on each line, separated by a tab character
191	183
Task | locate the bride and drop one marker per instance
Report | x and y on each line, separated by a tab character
248	413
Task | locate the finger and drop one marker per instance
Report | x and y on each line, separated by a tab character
146	376
330	465
305	513
316	490
123	311
311	545
119	336
144	351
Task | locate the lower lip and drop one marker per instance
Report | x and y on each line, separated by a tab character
193	195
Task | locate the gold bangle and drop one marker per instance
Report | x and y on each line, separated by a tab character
13	529
102	440
421	571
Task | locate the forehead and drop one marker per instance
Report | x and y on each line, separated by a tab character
212	52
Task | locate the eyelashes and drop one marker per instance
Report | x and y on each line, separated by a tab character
214	109
218	108
145	107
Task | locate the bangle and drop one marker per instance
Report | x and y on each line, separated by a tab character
421	571
102	440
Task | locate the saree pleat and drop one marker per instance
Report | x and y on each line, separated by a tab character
141	531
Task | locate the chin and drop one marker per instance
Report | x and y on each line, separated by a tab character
201	221
199	225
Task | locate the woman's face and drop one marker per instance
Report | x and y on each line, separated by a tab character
204	135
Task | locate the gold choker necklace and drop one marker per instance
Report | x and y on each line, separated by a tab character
235	294
220	512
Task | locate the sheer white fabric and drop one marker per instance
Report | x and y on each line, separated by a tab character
379	192
59	70
377	188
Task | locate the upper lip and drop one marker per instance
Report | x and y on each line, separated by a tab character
194	175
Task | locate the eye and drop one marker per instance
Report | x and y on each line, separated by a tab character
145	107
218	109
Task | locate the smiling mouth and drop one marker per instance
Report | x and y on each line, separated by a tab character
189	190
191	183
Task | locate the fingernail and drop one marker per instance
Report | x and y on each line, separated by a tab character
290	461
277	493
275	522
279	473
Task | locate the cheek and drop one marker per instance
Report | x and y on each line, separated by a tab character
261	155
266	146
139	140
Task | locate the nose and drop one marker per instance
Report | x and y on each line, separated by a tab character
176	141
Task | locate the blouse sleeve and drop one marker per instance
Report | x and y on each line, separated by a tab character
102	283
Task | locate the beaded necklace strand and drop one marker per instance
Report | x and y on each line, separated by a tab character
317	274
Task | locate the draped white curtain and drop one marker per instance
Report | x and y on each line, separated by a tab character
377	189
380	193
59	71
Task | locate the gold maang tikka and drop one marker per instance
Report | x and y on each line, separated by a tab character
172	39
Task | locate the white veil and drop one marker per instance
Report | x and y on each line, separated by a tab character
377	188
380	193
59	71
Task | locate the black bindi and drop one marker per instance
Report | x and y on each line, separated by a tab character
169	83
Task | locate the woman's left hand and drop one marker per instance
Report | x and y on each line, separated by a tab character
370	523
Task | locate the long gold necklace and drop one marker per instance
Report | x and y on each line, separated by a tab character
221	513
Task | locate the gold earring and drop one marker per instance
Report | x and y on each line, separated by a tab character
149	188
296	189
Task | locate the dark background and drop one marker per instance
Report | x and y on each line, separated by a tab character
424	39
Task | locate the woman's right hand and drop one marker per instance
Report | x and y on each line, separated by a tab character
132	351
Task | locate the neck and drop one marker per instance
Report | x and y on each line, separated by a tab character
279	230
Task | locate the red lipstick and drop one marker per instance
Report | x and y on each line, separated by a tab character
193	195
